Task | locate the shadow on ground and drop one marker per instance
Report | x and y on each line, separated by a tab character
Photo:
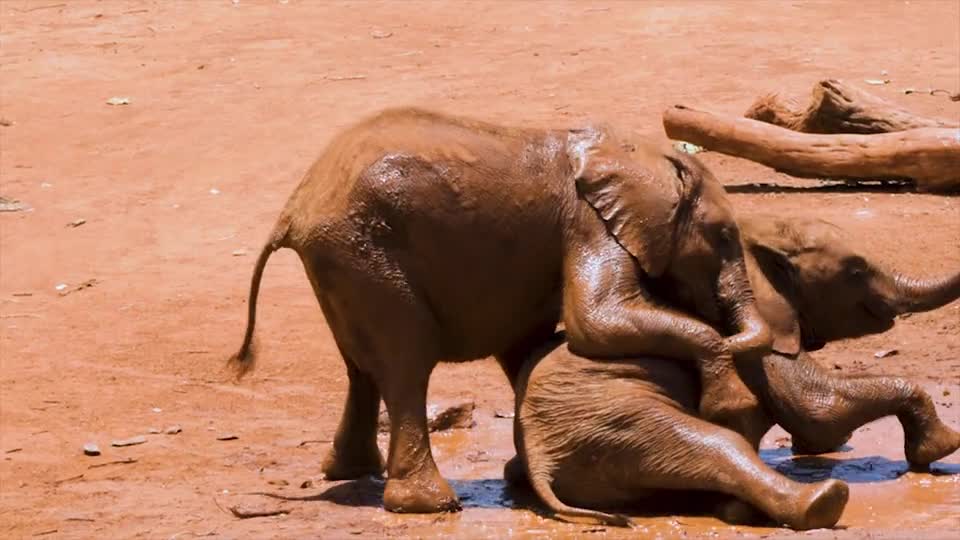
854	470
816	187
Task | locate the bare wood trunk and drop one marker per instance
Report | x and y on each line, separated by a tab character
928	156
837	107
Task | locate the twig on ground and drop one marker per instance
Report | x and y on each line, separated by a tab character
344	77
117	462
240	513
313	441
65	480
38	8
85	285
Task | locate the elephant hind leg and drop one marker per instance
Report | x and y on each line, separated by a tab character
691	453
414	484
388	331
405	347
355	453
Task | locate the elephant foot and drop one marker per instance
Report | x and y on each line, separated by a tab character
420	495
515	473
350	464
933	444
820	504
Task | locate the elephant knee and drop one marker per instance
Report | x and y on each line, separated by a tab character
824	416
819	429
825	443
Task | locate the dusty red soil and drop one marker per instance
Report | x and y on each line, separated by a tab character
240	98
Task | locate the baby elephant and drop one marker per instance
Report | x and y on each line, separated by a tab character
630	426
608	434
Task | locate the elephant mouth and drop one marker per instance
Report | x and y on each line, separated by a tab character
879	312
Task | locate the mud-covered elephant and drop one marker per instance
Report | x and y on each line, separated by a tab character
430	238
813	287
630	426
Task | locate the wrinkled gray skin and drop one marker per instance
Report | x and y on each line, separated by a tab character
631	426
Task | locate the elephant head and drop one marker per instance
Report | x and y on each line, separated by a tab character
672	215
812	287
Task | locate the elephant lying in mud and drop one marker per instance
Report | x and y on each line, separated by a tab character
630	426
429	238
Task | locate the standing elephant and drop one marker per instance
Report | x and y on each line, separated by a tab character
429	238
631	426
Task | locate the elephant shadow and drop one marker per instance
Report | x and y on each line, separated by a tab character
859	470
368	492
363	492
496	493
863	186
492	493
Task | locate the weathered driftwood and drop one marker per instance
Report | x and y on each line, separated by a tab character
837	107
928	156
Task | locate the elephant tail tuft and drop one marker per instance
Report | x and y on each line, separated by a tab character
243	361
540	481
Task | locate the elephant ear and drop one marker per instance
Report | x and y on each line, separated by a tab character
774	294
637	203
769	244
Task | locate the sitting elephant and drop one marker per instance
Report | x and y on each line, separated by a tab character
429	238
631	425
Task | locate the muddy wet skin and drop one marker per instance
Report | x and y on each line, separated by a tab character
155	142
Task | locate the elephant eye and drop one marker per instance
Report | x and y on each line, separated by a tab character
855	266
677	167
728	233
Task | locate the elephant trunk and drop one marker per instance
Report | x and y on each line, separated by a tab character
913	295
753	333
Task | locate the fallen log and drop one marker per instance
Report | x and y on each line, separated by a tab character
930	157
837	107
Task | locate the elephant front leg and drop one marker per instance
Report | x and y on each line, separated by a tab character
355	453
821	410
607	316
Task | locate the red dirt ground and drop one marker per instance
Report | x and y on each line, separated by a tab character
240	97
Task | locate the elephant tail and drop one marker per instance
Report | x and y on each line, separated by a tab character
243	361
540	482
